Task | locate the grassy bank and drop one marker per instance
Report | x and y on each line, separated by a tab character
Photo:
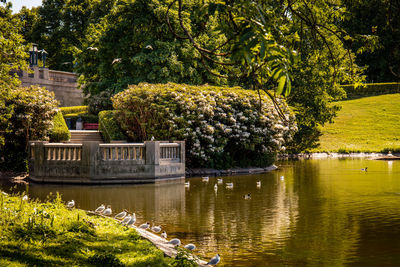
369	124
33	233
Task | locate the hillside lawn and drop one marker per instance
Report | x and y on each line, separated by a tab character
369	124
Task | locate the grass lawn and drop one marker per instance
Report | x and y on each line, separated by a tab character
48	234
369	124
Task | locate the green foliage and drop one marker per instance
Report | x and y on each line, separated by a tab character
81	227
371	89
37	233
59	26
99	102
105	259
236	124
12	57
74	110
133	44
367	124
184	259
32	119
375	23
60	132
109	127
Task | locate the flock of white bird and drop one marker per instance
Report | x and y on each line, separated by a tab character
129	220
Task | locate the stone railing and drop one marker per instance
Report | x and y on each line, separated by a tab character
92	162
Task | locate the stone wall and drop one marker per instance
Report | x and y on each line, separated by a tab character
95	163
63	84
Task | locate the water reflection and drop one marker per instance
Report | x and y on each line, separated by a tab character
324	212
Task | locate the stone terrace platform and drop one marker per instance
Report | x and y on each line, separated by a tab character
92	162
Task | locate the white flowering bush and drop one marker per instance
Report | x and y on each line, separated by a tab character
32	119
222	127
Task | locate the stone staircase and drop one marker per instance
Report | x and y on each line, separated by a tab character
78	136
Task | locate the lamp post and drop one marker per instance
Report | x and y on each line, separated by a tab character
44	54
33	55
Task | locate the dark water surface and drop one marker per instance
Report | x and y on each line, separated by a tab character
323	213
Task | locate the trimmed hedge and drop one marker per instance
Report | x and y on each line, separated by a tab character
74	110
109	128
60	132
222	127
371	89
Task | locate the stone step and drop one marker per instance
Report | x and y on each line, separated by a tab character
78	136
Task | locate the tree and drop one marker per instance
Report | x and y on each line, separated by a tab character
258	52
59	27
13	57
376	20
133	44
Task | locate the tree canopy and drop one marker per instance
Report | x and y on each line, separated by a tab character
12	57
300	49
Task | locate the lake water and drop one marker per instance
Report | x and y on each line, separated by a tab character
323	213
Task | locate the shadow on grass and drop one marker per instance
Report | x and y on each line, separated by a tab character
31	258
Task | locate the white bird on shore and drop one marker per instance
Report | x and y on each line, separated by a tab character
156	229
205	179
258	184
132	220
126	219
25	198
229	185
190	247
145	226
121	215
164	235
107	211
71	204
219	180
175	242
187	184
215	187
100	209
214	261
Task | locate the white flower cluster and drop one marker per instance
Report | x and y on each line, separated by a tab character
210	119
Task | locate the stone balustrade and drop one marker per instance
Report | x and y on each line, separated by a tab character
96	163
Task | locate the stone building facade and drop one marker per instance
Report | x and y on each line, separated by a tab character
63	84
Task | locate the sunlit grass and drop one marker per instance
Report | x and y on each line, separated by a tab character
48	234
369	124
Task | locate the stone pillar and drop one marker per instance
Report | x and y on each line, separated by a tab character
182	149
36	74
45	73
89	159
152	152
40	158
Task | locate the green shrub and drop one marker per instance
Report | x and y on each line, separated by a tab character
109	127
222	127
60	132
74	109
90	118
100	102
371	89
32	119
